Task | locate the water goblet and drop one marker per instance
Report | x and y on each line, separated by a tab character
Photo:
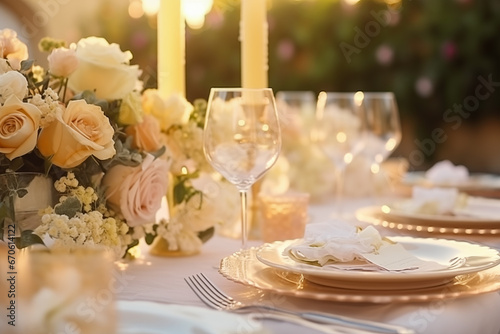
339	131
383	128
242	138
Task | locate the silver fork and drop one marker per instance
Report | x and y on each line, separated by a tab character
214	298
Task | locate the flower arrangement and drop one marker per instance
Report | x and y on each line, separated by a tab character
113	150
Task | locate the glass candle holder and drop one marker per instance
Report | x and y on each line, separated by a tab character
66	292
283	216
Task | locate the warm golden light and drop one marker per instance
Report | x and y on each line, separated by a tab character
348	158
195	10
135	9
351	2
150	7
241	122
341	137
391	144
265	127
358	98
375	168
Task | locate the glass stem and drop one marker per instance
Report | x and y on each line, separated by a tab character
244	217
339	189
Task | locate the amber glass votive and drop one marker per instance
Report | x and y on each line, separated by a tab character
283	216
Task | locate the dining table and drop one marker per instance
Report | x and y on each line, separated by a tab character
160	280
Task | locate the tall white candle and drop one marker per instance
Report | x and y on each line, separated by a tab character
171	48
254	44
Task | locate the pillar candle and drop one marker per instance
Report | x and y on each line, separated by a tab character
254	44
171	49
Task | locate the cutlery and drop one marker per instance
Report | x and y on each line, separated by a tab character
213	297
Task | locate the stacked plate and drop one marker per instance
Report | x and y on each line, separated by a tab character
469	269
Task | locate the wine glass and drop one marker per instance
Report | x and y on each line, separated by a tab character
383	128
339	132
242	138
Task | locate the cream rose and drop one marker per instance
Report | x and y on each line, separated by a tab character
103	67
78	132
173	110
137	192
12	83
147	135
19	123
12	49
62	62
131	109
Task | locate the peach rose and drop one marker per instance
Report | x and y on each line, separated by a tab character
62	62
147	135
12	49
19	123
137	192
173	110
78	132
12	83
103	67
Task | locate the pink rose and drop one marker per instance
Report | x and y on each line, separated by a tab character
62	62
78	132
147	135
12	49
19	124
137	192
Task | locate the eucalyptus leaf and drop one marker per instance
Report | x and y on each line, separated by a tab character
206	235
26	65
28	238
149	238
70	207
21	192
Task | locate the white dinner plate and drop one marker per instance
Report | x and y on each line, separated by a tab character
474	258
479	184
244	268
145	317
419	222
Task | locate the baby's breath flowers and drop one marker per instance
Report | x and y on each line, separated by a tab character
79	220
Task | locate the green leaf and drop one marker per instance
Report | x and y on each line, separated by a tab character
21	193
206	235
180	192
26	65
28	238
70	207
149	238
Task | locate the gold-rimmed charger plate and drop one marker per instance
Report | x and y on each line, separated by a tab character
400	220
244	267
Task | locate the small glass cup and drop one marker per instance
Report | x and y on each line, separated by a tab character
284	216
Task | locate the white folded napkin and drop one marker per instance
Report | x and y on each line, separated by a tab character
430	201
144	317
341	245
448	201
445	172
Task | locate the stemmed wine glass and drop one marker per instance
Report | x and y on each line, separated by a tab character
242	138
381	118
339	131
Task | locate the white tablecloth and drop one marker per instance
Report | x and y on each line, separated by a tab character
161	279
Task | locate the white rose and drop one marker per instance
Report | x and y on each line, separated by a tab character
12	83
103	67
173	110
